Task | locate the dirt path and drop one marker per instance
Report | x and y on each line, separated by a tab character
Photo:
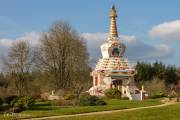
100	112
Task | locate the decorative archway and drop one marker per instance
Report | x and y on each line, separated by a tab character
117	83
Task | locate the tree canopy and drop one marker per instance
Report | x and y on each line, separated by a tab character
147	71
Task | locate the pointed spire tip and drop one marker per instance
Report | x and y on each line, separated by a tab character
113	12
113	6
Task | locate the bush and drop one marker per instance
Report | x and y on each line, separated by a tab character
87	100
113	93
13	101
9	99
28	102
18	104
23	102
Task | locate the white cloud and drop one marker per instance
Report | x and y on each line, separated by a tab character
94	36
168	30
5	42
32	37
129	39
135	49
160	51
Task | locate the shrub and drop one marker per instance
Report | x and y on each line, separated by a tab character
28	102
9	99
113	93
23	102
87	100
18	104
13	101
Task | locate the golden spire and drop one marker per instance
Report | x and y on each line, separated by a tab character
113	28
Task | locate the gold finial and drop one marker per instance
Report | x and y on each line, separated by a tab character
113	28
113	12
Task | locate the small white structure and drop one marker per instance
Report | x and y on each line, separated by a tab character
52	96
114	70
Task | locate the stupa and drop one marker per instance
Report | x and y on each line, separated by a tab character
113	69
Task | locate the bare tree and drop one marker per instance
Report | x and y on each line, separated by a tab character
63	54
18	65
155	86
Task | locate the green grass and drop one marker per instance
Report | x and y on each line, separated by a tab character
43	109
171	112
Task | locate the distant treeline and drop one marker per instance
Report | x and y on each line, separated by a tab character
148	71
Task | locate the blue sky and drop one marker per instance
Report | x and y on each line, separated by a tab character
136	18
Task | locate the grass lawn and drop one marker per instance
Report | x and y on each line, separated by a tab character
171	112
43	109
